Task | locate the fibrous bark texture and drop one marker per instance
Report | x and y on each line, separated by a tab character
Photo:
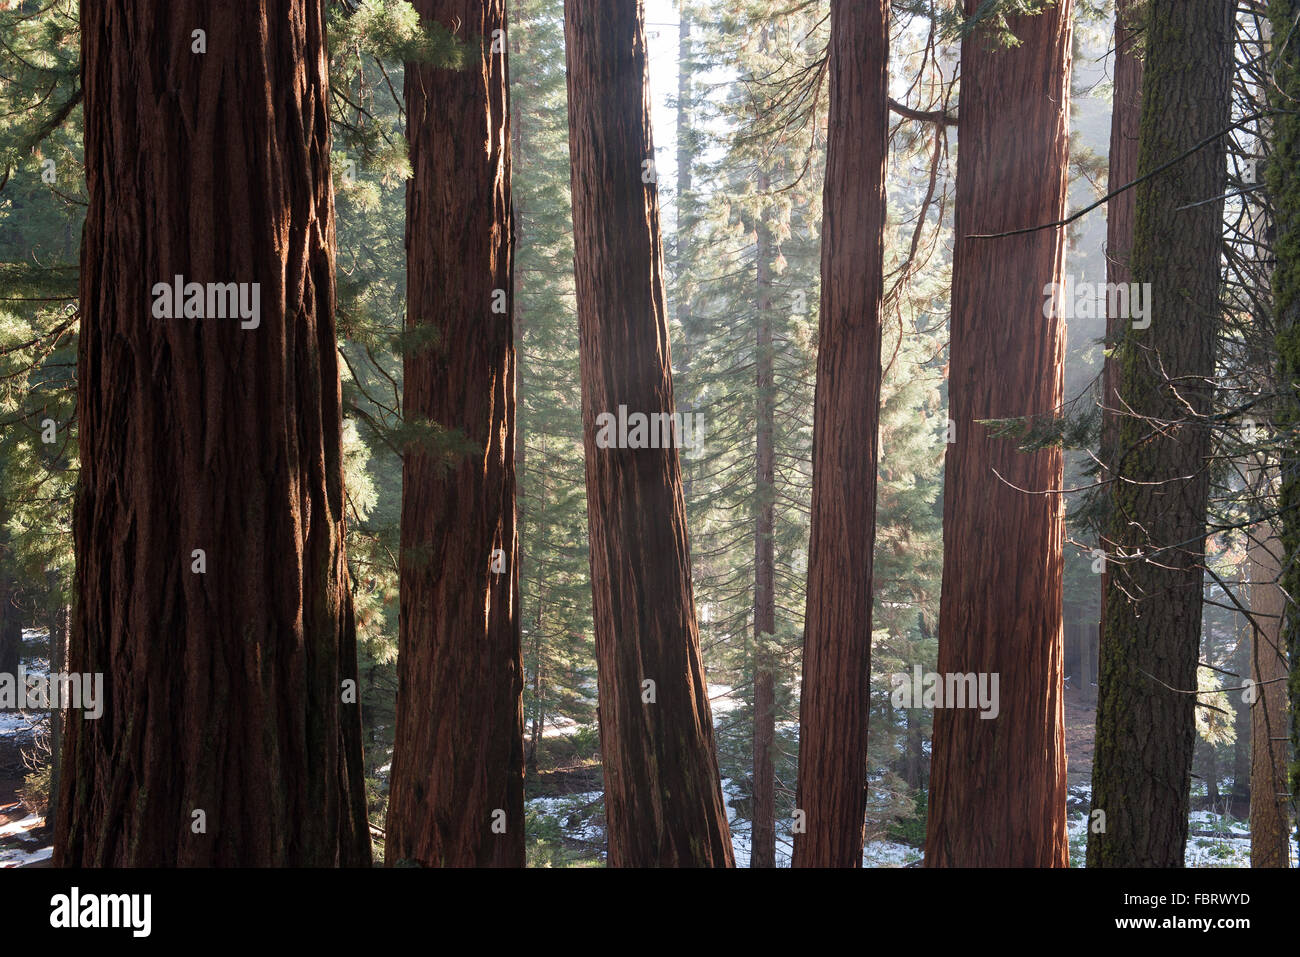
663	799
835	693
997	785
1141	772
1126	113
457	792
212	588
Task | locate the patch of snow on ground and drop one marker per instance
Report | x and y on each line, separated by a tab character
889	854
574	815
19	722
20	828
17	857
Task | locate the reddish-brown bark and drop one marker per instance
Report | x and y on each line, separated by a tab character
835	693
456	795
997	785
663	799
223	688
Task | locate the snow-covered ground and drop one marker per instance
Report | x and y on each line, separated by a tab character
24	722
1216	840
18	846
576	817
20	723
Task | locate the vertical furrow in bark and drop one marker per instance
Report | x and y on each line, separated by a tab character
1126	113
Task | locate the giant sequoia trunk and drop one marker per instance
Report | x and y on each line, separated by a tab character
663	799
457	795
997	785
212	589
835	693
1145	728
1126	112
1284	190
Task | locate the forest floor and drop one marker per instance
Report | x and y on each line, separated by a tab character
25	841
566	807
23	838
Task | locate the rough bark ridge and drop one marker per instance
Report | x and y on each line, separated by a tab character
224	687
1145	731
457	794
835	693
1126	113
663	799
997	786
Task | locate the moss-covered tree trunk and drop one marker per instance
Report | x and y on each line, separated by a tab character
997	783
211	586
1284	188
1269	806
663	797
1126	115
1147	674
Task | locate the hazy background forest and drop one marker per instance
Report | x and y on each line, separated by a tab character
739	111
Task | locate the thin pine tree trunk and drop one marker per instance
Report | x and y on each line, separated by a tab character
1284	189
1269	806
58	663
763	837
11	627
